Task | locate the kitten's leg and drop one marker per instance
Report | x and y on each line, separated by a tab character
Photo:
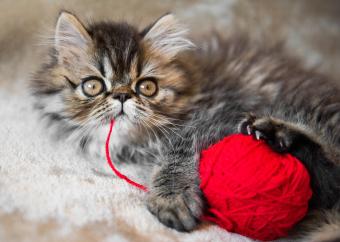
319	226
175	197
287	137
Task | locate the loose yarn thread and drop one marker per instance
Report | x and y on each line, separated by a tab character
113	168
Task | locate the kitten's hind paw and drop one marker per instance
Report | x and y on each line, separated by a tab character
278	134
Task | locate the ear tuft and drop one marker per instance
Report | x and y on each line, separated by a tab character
70	32
168	37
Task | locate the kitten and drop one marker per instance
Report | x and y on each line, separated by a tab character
170	100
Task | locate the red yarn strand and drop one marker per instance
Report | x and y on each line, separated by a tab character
109	161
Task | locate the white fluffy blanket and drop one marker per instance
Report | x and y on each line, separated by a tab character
49	193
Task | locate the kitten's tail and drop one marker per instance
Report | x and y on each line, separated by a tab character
323	226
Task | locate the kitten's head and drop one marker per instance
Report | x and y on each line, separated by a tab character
110	71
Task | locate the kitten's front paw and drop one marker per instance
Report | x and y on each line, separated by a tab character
278	134
180	211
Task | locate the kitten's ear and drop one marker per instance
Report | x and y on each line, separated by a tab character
70	33
167	36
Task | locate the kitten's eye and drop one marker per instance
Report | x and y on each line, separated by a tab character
92	86
147	87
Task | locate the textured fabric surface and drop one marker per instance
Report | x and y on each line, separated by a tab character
49	193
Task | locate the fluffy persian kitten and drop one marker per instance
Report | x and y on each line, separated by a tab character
170	100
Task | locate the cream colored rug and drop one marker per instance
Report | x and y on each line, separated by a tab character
50	193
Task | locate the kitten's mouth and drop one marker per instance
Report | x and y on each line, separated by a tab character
120	116
121	113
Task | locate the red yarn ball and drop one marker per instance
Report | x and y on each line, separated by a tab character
252	190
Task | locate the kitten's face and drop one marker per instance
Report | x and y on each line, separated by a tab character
112	71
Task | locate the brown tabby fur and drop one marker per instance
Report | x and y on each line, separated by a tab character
203	95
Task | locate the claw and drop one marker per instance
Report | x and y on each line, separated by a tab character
258	135
248	130
281	144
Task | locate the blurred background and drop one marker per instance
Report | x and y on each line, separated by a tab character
308	29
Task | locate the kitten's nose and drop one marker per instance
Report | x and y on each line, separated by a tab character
122	97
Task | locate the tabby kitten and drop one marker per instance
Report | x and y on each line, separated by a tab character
171	100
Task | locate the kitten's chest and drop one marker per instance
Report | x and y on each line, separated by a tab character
96	142
124	148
